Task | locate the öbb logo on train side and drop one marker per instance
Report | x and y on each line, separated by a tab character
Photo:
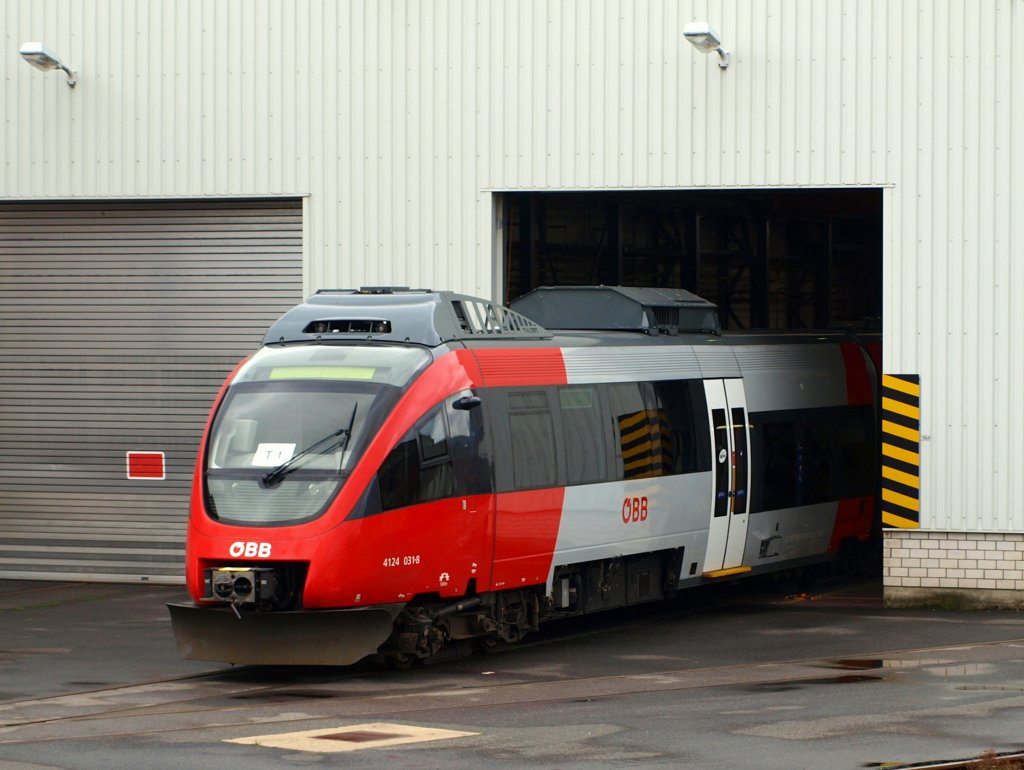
249	549
634	509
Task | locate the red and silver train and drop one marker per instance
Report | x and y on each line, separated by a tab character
398	470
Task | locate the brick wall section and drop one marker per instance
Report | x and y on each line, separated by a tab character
953	560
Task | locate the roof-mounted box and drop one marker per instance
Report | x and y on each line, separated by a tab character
619	308
399	314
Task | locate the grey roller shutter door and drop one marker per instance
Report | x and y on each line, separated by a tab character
118	323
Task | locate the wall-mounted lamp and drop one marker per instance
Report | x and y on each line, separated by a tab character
42	58
706	40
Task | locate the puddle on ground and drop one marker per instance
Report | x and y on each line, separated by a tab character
796	684
988	688
860	664
989	759
265	695
962	669
871	664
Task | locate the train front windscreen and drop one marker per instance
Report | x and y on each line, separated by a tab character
293	424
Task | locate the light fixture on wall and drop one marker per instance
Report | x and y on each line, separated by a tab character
42	58
706	40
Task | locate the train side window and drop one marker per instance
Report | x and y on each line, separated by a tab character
741	459
418	469
812	456
815	452
857	457
633	422
844	453
678	437
533	440
782	474
398	476
580	410
701	432
722	465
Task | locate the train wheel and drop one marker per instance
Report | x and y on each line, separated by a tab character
491	644
399	661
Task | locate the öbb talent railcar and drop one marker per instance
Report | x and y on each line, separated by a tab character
395	470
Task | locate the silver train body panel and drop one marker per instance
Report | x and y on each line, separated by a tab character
772	376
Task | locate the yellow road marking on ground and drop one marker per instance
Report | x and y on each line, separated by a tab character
374	735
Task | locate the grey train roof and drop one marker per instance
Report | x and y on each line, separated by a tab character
425	317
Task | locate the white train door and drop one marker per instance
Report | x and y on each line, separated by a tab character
730	442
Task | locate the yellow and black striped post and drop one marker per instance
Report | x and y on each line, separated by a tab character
901	446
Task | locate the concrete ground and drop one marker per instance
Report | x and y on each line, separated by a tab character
753	676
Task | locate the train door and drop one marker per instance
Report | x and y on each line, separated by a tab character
730	441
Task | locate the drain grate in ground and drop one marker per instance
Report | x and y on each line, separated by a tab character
351	738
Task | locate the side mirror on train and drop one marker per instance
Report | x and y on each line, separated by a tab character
466	403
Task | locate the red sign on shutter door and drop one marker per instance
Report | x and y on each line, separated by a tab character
146	465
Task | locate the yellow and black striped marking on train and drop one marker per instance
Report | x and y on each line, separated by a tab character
901	446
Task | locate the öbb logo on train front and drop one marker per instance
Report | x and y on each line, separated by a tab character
249	550
634	509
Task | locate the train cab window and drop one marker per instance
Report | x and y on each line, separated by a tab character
533	440
582	427
433	438
469	446
418	469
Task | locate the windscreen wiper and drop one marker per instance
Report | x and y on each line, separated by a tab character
337	440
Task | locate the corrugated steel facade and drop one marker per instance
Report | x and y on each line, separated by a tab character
118	323
400	119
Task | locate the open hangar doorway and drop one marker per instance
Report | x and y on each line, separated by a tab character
770	259
785	260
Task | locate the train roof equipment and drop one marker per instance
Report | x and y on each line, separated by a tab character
619	308
400	314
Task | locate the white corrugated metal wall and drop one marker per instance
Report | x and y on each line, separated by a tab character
398	119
